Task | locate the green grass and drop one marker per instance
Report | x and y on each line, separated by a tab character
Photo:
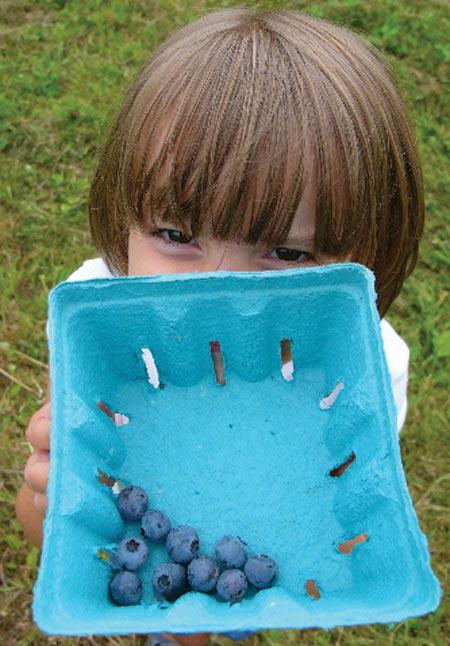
64	65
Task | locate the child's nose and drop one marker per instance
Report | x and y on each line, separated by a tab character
230	259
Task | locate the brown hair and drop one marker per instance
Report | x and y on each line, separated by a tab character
227	120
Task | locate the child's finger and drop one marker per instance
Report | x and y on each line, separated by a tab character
38	455
42	412
38	432
36	471
37	477
40	502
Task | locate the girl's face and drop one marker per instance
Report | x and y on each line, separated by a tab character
167	251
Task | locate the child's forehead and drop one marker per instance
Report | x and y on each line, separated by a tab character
154	152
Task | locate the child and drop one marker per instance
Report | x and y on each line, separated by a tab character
253	141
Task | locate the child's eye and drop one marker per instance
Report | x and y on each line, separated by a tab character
173	235
291	255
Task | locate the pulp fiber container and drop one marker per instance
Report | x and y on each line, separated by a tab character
292	446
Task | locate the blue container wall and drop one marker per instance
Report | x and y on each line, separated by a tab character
251	457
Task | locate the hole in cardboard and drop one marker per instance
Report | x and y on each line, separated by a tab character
105	479
347	546
115	485
287	362
328	401
119	419
217	358
339	470
150	365
312	589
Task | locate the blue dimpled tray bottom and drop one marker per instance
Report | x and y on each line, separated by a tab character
255	456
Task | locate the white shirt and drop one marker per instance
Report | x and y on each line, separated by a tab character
396	350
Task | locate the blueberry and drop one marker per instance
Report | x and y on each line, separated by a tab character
231	552
261	571
125	589
169	581
132	553
182	544
132	503
232	585
202	573
155	525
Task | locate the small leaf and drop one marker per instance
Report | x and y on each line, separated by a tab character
442	344
14	542
33	557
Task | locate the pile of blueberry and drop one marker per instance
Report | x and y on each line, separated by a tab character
228	574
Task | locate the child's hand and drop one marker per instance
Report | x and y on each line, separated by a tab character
37	467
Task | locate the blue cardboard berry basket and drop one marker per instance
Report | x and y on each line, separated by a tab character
252	404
